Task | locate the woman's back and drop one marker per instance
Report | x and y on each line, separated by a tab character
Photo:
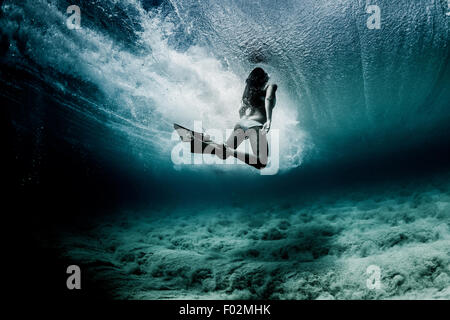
253	103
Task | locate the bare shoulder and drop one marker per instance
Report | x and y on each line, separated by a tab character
271	89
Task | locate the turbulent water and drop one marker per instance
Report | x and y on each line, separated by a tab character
112	90
145	65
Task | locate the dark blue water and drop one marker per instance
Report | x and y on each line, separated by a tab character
88	113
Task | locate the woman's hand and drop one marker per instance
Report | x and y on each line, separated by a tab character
266	126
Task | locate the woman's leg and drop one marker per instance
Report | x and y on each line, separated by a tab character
236	138
258	141
260	147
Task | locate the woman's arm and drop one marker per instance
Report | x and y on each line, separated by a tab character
270	102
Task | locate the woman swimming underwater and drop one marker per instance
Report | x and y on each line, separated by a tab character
255	114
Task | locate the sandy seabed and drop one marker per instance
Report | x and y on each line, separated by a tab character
292	249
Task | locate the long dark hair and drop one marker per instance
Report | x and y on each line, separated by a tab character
257	78
253	90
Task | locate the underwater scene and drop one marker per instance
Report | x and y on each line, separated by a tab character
351	199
